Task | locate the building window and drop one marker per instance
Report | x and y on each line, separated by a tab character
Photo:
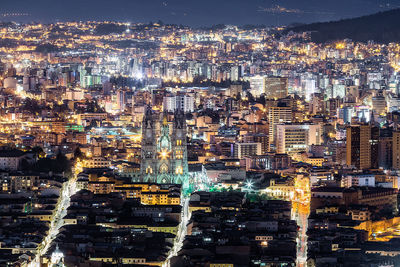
149	170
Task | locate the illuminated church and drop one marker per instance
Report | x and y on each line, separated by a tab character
164	152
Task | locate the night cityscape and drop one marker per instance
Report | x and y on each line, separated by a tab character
199	133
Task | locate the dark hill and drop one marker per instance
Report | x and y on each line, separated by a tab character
382	27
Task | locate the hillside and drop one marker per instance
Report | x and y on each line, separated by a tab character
382	27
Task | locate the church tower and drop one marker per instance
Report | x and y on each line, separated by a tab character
148	165
179	132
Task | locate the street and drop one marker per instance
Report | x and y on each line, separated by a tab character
68	189
300	213
180	236
386	234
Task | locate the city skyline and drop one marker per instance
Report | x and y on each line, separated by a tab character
158	144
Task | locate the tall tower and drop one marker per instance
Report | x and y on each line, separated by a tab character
362	146
179	145
148	166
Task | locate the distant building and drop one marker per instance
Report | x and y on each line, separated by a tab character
396	150
385	146
295	138
382	198
362	146
258	138
11	159
358	180
271	87
96	162
269	161
246	149
178	102
278	115
257	85
276	87
379	104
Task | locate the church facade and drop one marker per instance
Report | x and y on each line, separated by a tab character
164	150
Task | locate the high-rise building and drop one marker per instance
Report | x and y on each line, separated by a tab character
2	68
272	87
396	149
257	85
276	87
308	85
246	149
379	104
345	113
234	90
236	73
121	99
185	103
169	103
258	138
295	138
178	102
278	115
362	146
385	154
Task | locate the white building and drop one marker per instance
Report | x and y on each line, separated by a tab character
308	85
182	102
257	85
295	138
358	180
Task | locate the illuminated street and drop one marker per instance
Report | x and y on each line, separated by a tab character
386	234
300	213
180	236
57	222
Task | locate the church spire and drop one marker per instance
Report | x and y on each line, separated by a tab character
372	120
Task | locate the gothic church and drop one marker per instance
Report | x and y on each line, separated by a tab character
164	155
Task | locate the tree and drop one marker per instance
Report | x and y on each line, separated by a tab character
262	99
38	151
78	154
250	97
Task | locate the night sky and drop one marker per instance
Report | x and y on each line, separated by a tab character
191	12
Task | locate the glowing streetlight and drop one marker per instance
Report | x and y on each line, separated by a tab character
249	185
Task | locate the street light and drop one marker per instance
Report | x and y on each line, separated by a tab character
249	185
